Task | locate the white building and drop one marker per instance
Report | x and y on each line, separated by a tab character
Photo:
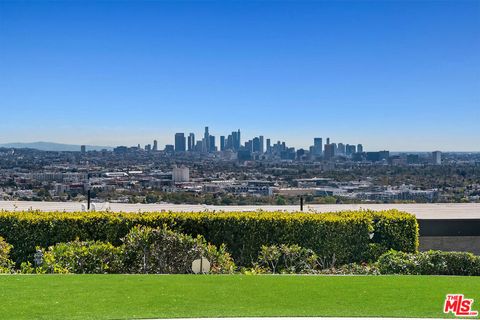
436	157
180	174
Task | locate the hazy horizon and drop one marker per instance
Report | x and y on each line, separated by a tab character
161	146
390	75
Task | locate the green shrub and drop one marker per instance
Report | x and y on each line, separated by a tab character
288	259
345	234
79	257
430	263
353	269
161	250
6	265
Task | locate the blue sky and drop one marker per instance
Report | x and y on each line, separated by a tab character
390	75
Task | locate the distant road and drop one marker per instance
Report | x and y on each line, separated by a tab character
422	211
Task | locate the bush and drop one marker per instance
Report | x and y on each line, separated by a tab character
78	257
345	235
6	265
161	250
430	263
353	269
288	259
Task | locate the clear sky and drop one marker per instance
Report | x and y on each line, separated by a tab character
391	75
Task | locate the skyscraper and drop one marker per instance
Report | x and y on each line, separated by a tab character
317	146
229	143
155	145
211	144
329	151
206	140
239	140
269	145
83	149
191	141
350	149
256	144
236	140
359	148
262	144
222	143
179	142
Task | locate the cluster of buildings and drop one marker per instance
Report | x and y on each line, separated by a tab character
257	148
255	167
231	148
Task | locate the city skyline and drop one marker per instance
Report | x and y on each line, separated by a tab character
170	140
398	76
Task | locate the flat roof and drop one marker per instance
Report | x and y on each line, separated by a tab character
421	211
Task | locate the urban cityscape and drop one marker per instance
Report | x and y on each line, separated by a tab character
239	160
230	170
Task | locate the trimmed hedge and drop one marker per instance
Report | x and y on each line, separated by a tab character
345	235
430	263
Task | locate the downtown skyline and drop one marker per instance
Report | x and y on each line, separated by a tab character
168	139
205	133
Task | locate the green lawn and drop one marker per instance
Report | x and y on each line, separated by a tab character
160	296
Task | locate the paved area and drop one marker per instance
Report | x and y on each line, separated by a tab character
422	211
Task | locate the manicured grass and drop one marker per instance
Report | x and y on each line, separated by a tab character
160	296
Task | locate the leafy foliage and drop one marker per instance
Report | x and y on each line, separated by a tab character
430	263
345	235
290	259
161	250
78	257
6	265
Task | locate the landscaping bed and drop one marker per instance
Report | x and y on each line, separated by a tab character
354	236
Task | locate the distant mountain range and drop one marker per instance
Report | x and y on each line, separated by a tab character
51	146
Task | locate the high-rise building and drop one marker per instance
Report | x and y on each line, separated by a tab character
256	144
180	174
199	146
317	146
211	144
206	140
237	140
191	141
350	149
155	145
328	140
229	143
262	144
83	149
269	145
180	142
341	149
169	148
329	151
437	157
222	143
359	148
